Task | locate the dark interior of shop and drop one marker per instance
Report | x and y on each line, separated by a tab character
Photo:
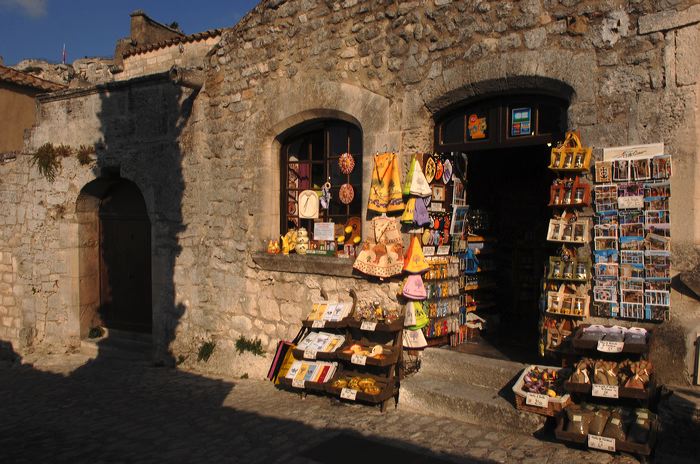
512	187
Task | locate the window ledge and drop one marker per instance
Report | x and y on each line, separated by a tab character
306	264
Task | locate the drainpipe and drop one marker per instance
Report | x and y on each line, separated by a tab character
191	78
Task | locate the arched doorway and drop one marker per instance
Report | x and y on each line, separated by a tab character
115	257
507	139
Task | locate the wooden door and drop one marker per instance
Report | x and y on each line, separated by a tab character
125	260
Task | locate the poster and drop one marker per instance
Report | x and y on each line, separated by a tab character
521	122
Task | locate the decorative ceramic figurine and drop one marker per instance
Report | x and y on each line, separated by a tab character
273	247
285	245
302	244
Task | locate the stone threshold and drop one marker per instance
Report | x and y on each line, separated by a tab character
306	264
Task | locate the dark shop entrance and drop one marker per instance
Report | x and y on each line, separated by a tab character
508	141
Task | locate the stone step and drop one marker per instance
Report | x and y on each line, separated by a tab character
469	403
119	345
469	369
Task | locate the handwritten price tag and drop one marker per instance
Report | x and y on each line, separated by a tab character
610	347
369	326
310	354
296	383
348	394
318	324
605	391
358	359
601	443
537	400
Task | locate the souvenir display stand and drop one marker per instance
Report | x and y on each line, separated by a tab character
568	275
365	357
614	391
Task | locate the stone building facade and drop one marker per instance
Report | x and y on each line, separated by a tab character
207	161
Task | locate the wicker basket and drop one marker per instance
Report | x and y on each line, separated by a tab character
554	405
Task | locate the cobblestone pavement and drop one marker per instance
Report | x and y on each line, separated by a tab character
114	411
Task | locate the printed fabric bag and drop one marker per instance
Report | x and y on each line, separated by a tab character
385	195
382	255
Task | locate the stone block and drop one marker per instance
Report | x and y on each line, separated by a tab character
687	55
290	312
668	19
535	38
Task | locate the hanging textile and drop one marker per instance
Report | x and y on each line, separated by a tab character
385	191
415	261
382	254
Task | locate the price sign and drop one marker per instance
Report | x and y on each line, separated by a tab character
358	359
601	443
610	347
428	251
605	391
348	394
310	353
296	383
535	399
443	250
369	326
318	324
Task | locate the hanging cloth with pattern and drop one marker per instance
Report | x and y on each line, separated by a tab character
385	191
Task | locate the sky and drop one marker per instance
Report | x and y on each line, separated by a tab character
39	28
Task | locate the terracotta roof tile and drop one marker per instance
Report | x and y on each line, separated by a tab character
175	40
27	80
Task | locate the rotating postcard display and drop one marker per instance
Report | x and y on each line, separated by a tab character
632	233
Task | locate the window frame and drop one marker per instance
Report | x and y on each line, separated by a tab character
306	133
499	114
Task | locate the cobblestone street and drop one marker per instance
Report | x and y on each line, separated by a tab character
114	411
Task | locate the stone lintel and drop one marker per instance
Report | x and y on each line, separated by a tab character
306	264
666	20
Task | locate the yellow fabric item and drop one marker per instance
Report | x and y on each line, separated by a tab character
407	216
415	263
385	190
286	364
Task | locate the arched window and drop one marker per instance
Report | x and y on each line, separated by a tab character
310	156
500	122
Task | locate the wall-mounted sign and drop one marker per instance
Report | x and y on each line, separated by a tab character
477	127
521	122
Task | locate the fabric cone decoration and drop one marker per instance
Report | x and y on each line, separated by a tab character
414	339
419	184
410	315
415	263
414	288
408	214
409	177
420	214
422	319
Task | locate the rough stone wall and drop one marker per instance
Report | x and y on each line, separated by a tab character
190	54
388	67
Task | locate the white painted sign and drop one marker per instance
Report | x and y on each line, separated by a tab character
318	324
358	359
610	347
310	353
348	394
324	231
370	326
632	152
296	383
606	391
535	399
636	202
428	251
443	250
601	443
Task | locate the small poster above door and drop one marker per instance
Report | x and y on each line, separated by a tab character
521	122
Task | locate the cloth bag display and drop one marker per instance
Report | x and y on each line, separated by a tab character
420	214
421	317
408	214
382	254
415	263
414	339
414	288
385	194
409	177
419	184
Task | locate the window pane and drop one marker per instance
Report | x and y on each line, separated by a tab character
453	130
338	140
356	205
318	175
317	145
336	206
550	120
337	177
355	141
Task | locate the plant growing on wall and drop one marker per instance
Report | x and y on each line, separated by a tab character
83	154
48	157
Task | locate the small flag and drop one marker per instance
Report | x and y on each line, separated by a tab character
64	54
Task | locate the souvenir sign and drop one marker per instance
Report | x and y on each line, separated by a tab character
477	127
438	193
308	205
430	169
346	163
346	194
447	171
601	443
521	122
324	231
603	172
